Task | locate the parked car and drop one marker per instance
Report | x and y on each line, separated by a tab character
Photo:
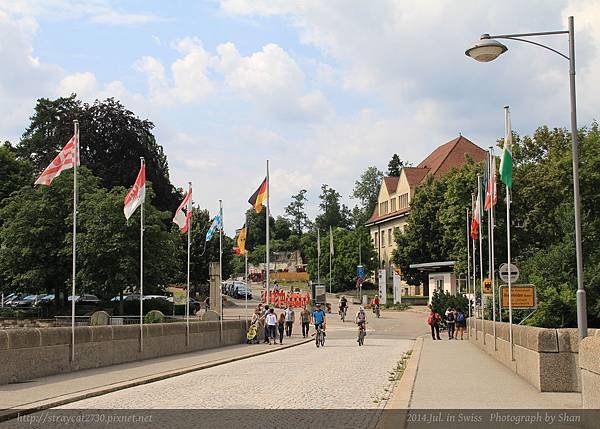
12	301
8	298
25	302
127	297
240	290
85	304
44	300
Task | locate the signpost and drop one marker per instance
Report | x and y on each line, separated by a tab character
382	287
487	286
396	285
504	272
523	297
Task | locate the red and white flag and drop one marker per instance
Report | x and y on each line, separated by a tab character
137	194
491	193
476	220
63	161
184	212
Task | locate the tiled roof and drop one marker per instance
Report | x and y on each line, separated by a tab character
414	175
376	218
391	183
451	155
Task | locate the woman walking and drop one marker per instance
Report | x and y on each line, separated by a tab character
281	326
461	323
271	325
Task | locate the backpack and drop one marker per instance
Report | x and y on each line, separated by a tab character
460	317
450	317
431	319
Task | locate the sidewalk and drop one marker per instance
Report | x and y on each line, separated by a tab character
46	392
457	374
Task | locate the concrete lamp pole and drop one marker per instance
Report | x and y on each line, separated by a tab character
488	49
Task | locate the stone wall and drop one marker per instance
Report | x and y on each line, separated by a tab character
26	354
547	358
589	362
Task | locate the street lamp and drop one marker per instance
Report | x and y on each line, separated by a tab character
489	49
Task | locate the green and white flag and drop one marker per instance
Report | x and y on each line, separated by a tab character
506	163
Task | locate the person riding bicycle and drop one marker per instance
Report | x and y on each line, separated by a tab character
343	304
361	318
319	318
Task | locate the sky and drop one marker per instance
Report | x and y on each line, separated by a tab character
322	89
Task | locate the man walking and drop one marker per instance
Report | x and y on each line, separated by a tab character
305	320
290	318
433	320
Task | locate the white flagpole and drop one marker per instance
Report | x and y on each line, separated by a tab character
142	269
189	243
510	333
267	237
318	257
246	265
469	270
221	267
474	267
492	170
330	241
479	207
75	160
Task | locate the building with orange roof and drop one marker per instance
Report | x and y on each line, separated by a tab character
396	193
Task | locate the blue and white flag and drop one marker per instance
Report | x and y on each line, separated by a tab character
216	223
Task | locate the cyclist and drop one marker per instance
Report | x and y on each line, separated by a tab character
343	305
375	304
361	319
319	318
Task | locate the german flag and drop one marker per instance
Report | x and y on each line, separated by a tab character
257	199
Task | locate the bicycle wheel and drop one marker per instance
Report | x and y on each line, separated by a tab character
361	338
322	339
318	339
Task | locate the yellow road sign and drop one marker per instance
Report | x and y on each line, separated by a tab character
523	297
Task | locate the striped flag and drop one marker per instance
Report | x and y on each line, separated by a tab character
491	189
216	224
136	195
241	239
184	212
63	161
476	220
259	197
507	162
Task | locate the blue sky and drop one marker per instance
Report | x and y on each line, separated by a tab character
321	88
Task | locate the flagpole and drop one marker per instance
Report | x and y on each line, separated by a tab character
318	257
510	332
142	269
469	269
330	241
75	160
474	266
493	222
267	233
246	265
221	268
480	257
189	243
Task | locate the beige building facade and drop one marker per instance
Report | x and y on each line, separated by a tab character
396	194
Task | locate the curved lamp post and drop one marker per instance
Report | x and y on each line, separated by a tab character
488	49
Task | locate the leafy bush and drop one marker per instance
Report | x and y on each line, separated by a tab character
154	316
7	312
440	302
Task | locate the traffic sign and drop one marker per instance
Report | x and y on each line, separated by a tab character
360	272
504	272
523	297
487	286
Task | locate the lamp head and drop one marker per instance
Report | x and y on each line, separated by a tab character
486	49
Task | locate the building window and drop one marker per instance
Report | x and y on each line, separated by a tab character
383	239
390	241
403	201
376	239
383	208
393	205
439	285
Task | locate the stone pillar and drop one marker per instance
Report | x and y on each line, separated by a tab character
215	287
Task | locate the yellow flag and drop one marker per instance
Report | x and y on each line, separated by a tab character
241	240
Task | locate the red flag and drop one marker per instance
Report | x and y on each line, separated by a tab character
63	161
491	192
184	212
476	221
136	195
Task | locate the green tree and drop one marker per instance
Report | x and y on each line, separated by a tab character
35	237
395	166
112	140
366	191
296	214
333	213
14	173
109	246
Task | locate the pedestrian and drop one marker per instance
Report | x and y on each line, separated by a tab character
450	322
305	320
281	326
290	318
264	318
461	322
271	325
433	320
207	304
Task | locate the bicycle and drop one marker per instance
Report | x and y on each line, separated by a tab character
319	337
377	311
342	313
362	332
